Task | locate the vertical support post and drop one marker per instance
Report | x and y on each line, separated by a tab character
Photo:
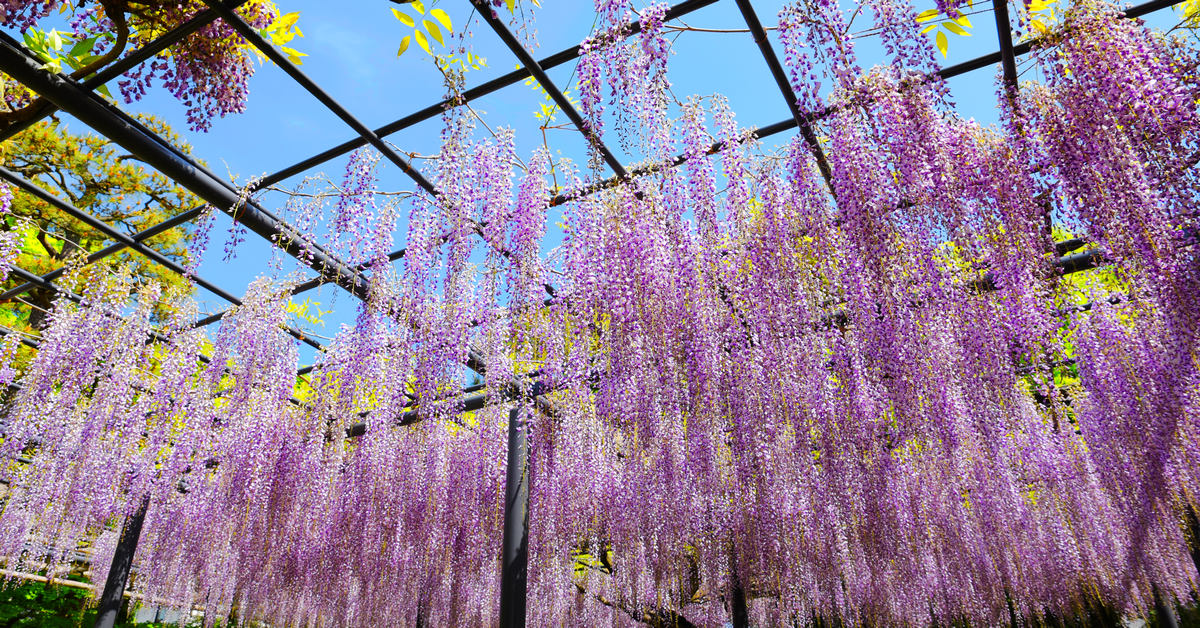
1193	525
1008	58
118	573
1164	611
515	556
739	613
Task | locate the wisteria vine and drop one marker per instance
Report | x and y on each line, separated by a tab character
877	399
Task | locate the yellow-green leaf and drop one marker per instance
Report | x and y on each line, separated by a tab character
511	4
442	17
423	41
956	29
293	54
928	28
942	43
287	20
404	45
403	17
924	16
416	4
434	31
963	21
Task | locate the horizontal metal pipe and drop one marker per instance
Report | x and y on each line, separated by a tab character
272	53
123	65
99	225
140	236
792	123
151	149
489	15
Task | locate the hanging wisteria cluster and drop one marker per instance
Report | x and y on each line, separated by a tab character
873	396
208	73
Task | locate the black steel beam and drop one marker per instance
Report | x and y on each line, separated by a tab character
140	236
489	15
311	87
154	151
151	254
785	88
124	64
791	123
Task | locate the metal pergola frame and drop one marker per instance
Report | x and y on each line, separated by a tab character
79	100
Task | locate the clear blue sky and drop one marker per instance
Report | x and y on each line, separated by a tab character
351	49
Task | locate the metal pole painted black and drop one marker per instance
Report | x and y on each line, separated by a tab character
1008	59
156	152
124	64
515	555
489	15
99	225
118	573
785	88
739	614
791	123
1164	611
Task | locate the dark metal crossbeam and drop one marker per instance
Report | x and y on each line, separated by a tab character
140	236
20	272
539	73
785	88
311	87
99	225
154	151
124	64
791	123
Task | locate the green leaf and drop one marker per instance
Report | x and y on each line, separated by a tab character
404	45
82	47
942	43
403	17
434	31
103	89
925	16
423	41
442	17
956	29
